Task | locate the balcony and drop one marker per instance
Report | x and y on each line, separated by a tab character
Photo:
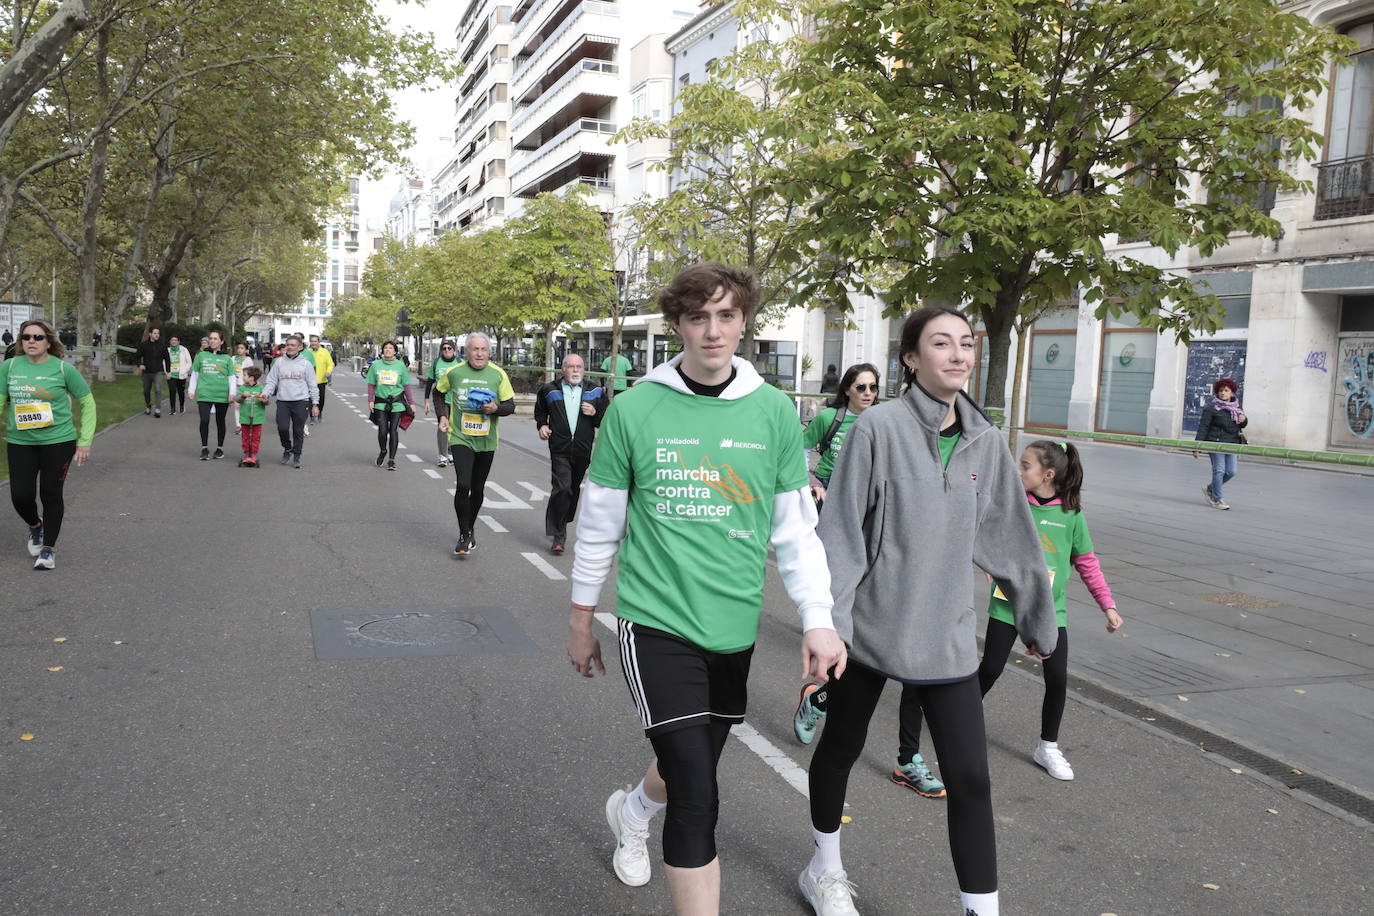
1345	187
600	82
585	137
598	19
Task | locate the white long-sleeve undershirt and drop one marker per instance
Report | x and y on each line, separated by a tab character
800	556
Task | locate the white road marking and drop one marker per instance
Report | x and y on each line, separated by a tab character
543	566
401	444
493	524
415	458
508	500
766	750
432	473
536	494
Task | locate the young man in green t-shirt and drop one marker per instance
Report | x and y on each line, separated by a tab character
619	367
477	395
697	469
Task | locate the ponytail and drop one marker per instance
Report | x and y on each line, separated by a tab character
1062	458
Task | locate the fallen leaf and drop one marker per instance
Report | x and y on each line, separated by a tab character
27	736
1183	698
1148	718
1296	772
1245	615
1125	635
1271	810
1212	887
60	639
1223	655
1298	690
123	515
1018	661
119	642
846	819
56	668
1237	771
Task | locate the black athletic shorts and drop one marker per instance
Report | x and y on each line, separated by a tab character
676	684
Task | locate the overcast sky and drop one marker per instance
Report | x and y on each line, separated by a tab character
430	112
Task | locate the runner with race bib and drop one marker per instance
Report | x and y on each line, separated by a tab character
477	393
36	392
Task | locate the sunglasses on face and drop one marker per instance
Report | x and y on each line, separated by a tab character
873	388
33	336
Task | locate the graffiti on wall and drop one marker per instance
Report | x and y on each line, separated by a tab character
1316	359
1209	360
1357	379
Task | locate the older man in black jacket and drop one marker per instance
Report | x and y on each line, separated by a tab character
567	412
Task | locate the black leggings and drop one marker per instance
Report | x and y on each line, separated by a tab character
37	472
997	646
471	470
220	409
687	759
388	431
176	393
955	712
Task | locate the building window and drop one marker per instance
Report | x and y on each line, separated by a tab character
1344	178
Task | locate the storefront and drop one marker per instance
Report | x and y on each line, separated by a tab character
1052	349
1126	376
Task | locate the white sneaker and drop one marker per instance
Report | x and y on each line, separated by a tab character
631	859
1052	759
830	894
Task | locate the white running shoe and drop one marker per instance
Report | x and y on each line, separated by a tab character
631	859
45	559
830	894
1052	759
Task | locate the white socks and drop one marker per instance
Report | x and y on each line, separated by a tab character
827	858
640	807
978	904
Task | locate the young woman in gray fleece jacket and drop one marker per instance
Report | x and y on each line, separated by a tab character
924	488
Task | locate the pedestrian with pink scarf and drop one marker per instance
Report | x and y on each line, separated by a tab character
1221	421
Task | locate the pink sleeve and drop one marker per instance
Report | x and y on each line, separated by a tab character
1091	574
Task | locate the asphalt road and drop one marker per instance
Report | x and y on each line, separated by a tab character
195	755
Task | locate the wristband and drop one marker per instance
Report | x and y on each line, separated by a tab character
583	607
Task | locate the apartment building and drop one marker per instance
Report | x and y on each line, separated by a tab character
410	213
347	243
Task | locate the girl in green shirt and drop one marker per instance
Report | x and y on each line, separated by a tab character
36	390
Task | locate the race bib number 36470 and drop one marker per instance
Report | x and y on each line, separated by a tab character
32	415
475	424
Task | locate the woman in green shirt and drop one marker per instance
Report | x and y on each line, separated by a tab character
388	391
41	435
213	384
857	392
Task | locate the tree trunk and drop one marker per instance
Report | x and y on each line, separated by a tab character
997	322
163	278
88	261
31	65
548	351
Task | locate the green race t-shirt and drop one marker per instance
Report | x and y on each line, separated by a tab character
476	430
252	412
40	410
701	473
439	367
622	368
1063	536
815	432
390	376
213	371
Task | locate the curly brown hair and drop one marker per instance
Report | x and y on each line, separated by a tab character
699	284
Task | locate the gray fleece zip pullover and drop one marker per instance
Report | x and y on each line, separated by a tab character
899	532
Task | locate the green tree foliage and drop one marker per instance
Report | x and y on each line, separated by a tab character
983	152
558	265
727	163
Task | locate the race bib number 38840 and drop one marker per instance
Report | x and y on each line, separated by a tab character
32	415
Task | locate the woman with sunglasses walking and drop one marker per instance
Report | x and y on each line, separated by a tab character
41	432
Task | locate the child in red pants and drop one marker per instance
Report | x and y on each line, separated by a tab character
252	412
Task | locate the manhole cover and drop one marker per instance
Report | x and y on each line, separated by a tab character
419	630
404	632
1241	600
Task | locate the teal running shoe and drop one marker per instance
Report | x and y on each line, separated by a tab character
808	716
917	777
